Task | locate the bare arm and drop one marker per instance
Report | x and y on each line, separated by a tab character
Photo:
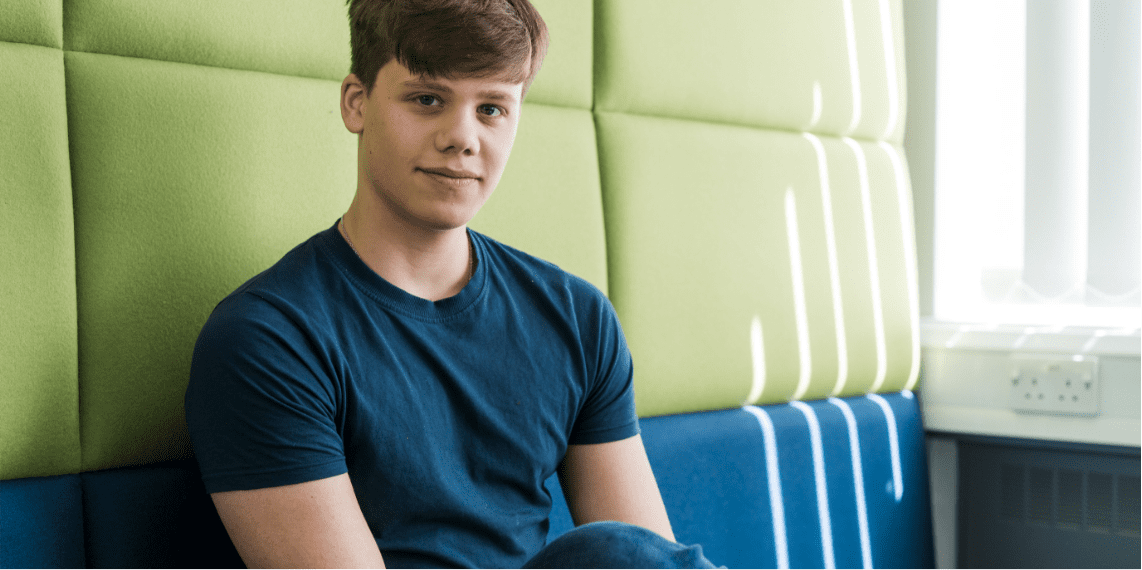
309	525
613	481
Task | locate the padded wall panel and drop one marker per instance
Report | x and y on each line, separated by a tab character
738	254
188	181
548	202
878	39
308	38
871	213
42	523
891	214
816	65
785	65
566	76
158	516
37	22
39	409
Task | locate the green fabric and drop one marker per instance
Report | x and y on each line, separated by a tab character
188	180
37	22
308	38
548	202
746	62
895	244
565	78
656	151
700	247
39	401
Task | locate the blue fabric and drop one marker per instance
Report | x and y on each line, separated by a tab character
885	522
710	468
41	523
616	545
448	415
713	469
157	516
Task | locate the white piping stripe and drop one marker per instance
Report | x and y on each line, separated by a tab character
873	266
858	481
890	69
817	106
757	352
821	483
800	312
834	267
904	196
773	476
854	68
893	444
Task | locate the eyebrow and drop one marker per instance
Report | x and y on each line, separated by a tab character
495	95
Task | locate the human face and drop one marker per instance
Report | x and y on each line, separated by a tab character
431	149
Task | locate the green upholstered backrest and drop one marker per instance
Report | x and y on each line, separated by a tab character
757	208
728	172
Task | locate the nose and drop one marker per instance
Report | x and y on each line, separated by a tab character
459	134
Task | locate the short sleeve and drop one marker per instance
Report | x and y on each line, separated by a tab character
261	406
608	414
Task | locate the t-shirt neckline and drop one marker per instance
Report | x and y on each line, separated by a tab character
397	299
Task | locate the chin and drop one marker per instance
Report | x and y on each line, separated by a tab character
443	221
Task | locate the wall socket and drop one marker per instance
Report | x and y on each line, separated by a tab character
1055	384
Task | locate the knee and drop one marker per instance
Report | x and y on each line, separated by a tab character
611	544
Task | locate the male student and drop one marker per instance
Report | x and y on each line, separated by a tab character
396	389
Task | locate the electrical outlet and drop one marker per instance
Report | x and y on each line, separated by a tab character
1049	384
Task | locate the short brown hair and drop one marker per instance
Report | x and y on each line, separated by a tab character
447	38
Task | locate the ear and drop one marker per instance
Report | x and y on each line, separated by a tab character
353	96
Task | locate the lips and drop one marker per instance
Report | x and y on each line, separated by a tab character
459	175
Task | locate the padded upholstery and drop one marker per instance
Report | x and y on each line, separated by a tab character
307	38
876	492
157	516
39	404
760	64
755	190
154	516
567	77
715	247
36	22
552	177
42	523
719	473
729	173
174	209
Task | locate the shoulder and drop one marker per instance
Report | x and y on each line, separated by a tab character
280	307
538	273
557	298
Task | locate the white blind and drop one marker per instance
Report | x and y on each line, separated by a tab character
1037	162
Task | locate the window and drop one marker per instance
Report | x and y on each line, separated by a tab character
1037	163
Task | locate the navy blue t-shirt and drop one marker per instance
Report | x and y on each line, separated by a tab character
448	416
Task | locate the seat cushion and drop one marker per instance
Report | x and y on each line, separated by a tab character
831	483
157	516
42	523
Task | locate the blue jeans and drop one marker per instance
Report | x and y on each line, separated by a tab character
616	545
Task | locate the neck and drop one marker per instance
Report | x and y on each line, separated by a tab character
430	264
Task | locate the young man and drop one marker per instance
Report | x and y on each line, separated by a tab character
397	388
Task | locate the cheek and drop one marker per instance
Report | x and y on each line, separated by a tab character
503	148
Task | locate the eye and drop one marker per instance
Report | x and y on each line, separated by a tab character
490	110
428	100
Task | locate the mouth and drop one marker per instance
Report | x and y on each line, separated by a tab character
451	176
